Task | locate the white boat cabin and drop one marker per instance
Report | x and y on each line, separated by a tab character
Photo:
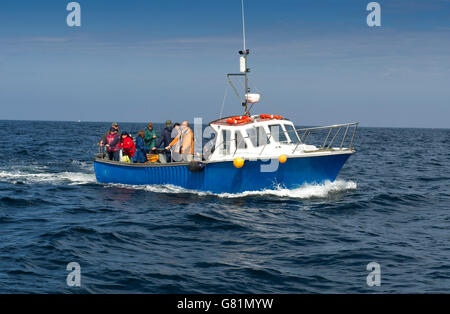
258	136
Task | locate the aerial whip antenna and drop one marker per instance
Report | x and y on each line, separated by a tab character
243	23
243	63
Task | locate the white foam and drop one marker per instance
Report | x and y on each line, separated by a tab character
304	192
70	177
84	165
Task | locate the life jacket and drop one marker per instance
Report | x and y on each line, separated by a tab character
128	146
187	140
109	139
183	143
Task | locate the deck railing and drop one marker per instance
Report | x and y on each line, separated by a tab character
324	137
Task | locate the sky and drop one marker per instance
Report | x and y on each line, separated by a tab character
316	62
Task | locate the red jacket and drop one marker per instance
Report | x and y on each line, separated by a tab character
128	146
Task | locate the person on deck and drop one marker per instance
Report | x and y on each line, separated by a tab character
113	125
165	139
140	155
175	130
150	137
127	145
112	144
185	141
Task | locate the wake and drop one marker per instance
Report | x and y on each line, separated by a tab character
38	174
72	178
305	191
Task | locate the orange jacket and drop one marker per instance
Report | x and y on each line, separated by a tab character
187	145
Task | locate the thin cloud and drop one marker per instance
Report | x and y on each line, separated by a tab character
42	39
199	40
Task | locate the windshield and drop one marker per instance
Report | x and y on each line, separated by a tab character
277	134
292	133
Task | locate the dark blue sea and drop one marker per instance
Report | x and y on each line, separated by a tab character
389	205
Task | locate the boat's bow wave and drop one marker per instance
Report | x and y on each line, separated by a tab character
305	191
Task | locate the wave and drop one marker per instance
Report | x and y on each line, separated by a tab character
83	165
23	177
305	191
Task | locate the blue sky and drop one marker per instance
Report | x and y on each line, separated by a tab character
317	62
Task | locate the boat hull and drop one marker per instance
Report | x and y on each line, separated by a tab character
223	177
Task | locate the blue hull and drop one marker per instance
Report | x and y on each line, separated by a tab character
223	177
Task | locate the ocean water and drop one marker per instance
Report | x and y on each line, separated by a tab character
389	205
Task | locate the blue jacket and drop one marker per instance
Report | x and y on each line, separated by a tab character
165	138
141	150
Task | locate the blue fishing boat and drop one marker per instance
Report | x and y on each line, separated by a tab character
247	153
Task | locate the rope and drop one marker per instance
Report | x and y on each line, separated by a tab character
270	104
262	96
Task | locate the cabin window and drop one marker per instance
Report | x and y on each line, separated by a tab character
257	136
239	141
292	133
226	141
277	134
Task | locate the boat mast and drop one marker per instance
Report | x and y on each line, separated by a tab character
243	69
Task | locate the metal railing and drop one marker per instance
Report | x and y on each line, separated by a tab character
321	137
325	136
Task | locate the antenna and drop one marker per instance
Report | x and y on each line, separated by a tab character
243	23
244	70
243	62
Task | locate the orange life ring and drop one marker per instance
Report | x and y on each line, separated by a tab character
238	119
270	116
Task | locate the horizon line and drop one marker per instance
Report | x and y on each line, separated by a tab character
163	122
